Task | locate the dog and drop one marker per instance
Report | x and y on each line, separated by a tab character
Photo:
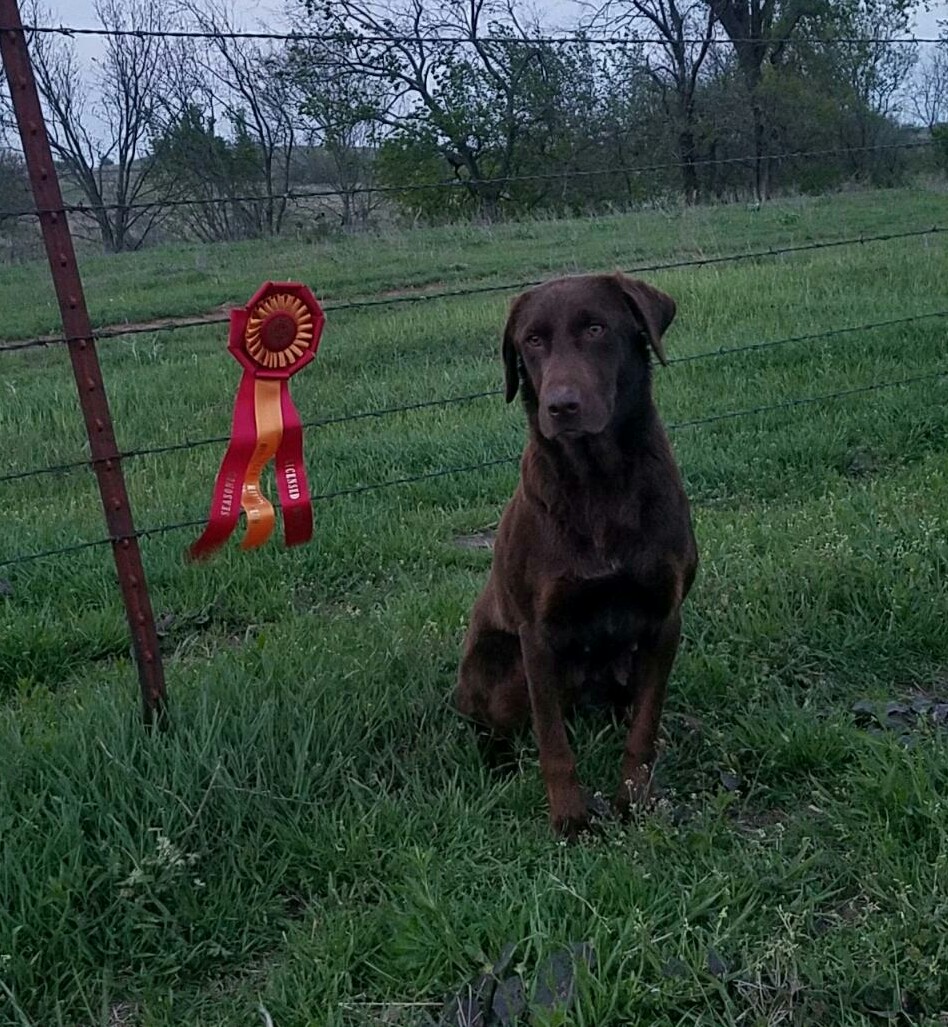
596	552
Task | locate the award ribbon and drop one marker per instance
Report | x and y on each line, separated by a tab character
275	335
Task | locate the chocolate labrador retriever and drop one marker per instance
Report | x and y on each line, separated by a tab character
595	552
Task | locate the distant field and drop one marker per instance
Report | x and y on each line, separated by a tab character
317	833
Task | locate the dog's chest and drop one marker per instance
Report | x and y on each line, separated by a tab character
597	618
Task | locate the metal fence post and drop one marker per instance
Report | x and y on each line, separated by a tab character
85	362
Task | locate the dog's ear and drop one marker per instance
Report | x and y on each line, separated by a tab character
653	308
509	351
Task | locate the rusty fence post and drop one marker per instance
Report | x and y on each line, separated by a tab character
85	362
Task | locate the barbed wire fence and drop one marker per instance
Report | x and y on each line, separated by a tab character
446	39
79	337
442	472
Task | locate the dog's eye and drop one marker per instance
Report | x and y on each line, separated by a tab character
534	340
595	330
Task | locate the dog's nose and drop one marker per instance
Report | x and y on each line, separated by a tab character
563	403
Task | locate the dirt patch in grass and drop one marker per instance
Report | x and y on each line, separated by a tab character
483	539
903	718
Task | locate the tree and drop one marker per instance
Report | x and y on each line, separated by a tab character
871	68
475	101
929	97
247	79
99	127
760	31
216	176
341	117
18	236
14	183
628	125
857	65
685	29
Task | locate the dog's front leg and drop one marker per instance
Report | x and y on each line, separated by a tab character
653	664
568	811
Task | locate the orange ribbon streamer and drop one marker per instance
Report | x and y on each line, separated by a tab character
259	510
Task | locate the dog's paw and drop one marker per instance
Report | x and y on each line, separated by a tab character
571	828
570	815
588	817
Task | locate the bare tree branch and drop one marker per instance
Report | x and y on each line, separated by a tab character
109	163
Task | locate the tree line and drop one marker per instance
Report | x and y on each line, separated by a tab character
225	137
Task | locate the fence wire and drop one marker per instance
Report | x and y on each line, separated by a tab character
442	472
356	38
446	401
563	177
479	290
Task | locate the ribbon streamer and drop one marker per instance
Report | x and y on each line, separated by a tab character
275	335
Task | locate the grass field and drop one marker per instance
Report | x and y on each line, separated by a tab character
316	833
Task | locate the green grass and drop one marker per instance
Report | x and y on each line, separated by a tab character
317	832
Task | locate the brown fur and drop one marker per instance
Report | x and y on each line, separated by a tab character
595	552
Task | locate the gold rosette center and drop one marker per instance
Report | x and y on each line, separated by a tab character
279	331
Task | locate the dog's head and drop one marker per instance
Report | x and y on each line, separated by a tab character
578	348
